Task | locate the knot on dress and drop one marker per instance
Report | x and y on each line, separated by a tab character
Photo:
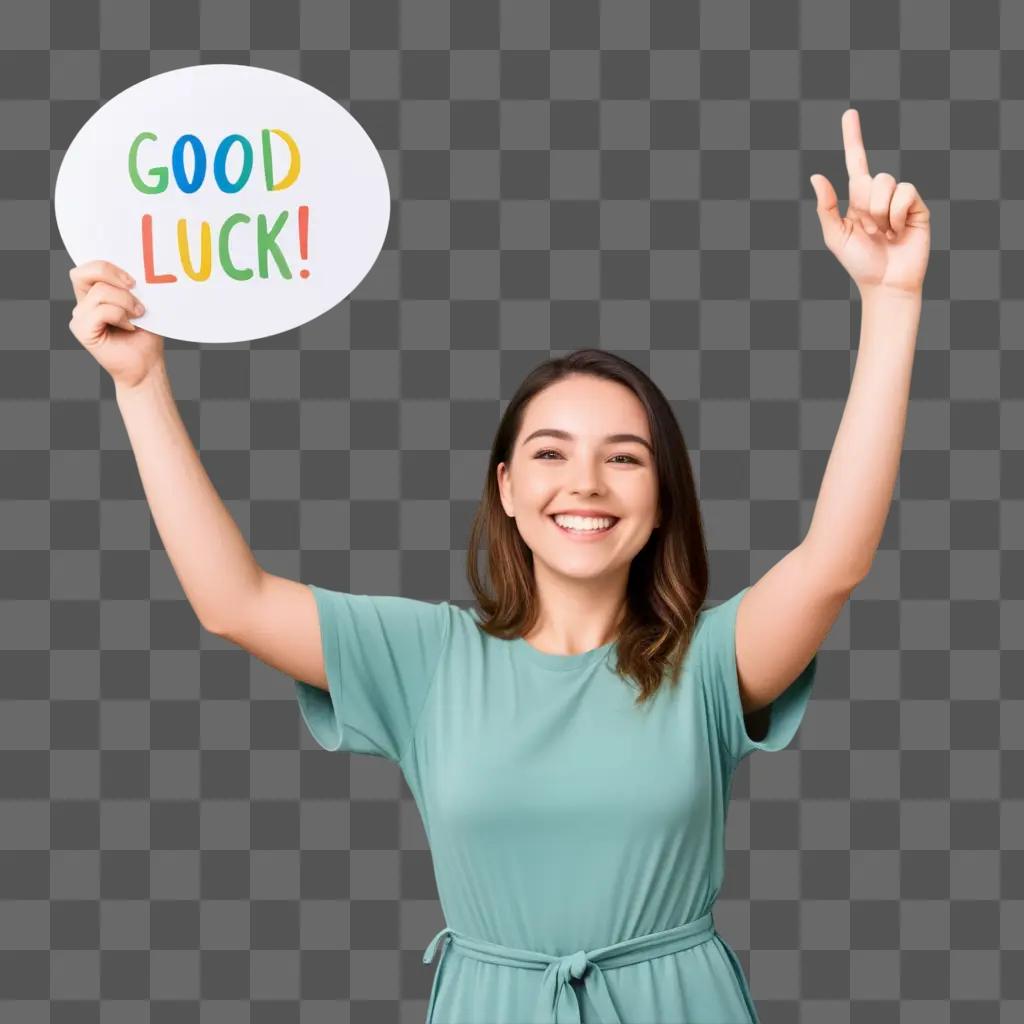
575	965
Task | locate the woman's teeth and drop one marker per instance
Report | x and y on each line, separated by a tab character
579	524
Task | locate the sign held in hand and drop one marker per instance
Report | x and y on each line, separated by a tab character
243	201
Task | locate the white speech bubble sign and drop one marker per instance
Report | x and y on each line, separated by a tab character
243	201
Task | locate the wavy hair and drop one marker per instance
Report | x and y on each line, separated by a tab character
668	577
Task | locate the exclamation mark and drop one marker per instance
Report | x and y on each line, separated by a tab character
304	237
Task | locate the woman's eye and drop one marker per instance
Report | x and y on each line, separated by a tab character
551	451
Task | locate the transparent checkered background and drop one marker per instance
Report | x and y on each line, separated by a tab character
173	845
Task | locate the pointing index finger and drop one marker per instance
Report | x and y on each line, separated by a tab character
856	158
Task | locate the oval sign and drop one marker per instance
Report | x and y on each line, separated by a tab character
244	202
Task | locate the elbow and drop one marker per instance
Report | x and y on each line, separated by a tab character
854	579
843	575
210	628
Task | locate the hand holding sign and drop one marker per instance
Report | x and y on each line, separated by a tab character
101	322
245	202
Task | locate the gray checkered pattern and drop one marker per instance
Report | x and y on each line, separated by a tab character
173	845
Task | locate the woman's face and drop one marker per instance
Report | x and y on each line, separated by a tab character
584	471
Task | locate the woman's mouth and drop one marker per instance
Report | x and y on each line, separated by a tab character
584	534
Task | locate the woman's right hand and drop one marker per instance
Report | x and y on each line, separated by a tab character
100	321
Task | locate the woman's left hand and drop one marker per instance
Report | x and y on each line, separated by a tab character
885	237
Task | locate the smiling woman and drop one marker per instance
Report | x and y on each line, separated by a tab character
578	840
542	781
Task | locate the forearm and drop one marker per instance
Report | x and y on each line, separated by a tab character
856	490
210	556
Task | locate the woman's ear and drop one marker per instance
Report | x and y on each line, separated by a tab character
502	474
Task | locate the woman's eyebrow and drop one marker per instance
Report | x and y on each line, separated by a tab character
564	435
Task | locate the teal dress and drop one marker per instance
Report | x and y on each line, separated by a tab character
577	840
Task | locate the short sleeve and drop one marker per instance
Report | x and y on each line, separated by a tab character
380	656
716	637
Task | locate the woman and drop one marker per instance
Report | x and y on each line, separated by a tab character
571	745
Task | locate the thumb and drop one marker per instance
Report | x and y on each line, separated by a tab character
828	209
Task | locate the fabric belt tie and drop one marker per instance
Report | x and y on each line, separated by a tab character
557	1003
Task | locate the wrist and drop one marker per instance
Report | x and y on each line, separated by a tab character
880	293
155	378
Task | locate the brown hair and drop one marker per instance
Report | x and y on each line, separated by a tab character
668	577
